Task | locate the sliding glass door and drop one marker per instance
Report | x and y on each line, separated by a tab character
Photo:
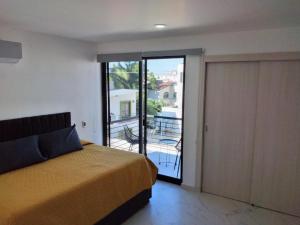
123	123
164	115
143	103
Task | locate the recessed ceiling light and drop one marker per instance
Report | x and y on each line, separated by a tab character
160	26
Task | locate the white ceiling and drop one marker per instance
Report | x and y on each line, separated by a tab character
115	20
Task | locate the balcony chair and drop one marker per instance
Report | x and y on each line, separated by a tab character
178	148
131	138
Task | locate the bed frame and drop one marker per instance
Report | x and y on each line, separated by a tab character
23	127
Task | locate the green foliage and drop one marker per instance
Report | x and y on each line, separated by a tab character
154	106
152	83
125	75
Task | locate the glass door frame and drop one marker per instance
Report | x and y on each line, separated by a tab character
142	110
173	180
105	94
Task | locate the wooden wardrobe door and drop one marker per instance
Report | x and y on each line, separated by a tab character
230	110
276	170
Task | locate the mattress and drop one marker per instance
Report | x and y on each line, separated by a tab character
78	188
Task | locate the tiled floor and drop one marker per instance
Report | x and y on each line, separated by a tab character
154	152
173	205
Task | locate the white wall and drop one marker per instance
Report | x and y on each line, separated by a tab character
58	74
271	40
55	75
191	119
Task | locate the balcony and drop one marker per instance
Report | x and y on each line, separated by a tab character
163	141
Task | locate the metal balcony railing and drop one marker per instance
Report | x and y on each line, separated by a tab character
158	128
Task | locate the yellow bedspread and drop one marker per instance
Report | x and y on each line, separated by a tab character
78	188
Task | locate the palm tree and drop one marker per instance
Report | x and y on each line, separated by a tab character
125	75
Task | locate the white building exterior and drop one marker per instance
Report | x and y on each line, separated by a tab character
120	100
179	88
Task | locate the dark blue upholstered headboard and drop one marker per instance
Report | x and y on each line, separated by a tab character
23	127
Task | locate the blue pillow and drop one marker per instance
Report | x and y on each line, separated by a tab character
19	153
59	142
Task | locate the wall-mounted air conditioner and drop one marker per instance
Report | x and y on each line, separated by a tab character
10	52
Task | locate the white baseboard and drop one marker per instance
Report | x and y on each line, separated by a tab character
190	188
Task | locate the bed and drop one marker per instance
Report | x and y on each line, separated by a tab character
96	185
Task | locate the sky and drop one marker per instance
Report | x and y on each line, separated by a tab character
159	66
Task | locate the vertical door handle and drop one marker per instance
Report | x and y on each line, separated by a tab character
206	128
